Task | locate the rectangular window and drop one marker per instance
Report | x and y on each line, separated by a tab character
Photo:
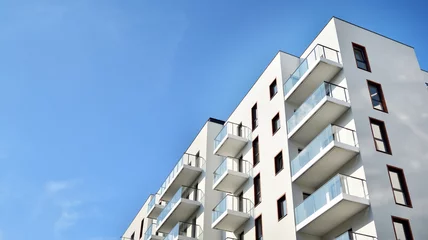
281	205
256	155
376	95
399	186
402	228
133	236
361	57
257	190
259	228
254	118
380	136
276	124
141	228
279	165
273	89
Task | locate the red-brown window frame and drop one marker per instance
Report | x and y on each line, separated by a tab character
355	45
382	97
271	94
277	207
275	165
261	226
402	220
400	172
278	118
386	140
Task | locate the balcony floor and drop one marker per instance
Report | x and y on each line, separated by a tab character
230	181
155	211
230	221
185	177
230	146
180	213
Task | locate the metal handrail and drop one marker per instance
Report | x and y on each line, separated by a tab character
249	164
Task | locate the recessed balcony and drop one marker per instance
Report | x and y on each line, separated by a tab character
185	231
321	64
324	156
185	172
183	204
355	236
231	139
336	201
231	174
150	233
231	213
324	106
155	206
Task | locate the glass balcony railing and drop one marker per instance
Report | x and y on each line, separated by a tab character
328	135
188	230
150	231
233	129
355	236
318	52
325	194
325	89
233	164
187	159
183	192
152	202
234	203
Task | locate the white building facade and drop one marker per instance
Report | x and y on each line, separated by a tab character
329	145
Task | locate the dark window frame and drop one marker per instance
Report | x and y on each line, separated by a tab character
279	206
403	184
132	236
276	124
272	87
256	155
381	95
365	56
275	159
141	228
406	222
257	190
384	133
254	117
258	229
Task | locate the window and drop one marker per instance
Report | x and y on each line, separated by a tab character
281	205
361	57
256	154
402	228
276	124
376	94
254	119
306	195
141	228
380	136
399	186
257	190
241	236
259	228
273	89
279	165
133	236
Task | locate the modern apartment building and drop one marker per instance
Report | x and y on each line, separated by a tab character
329	145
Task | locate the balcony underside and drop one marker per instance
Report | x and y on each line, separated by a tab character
230	221
327	162
324	113
155	237
323	71
230	181
185	238
332	214
230	146
185	177
181	212
155	211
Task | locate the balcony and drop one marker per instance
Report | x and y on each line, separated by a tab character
332	204
355	236
155	206
185	172
185	231
150	233
322	64
231	139
324	156
231	174
323	107
183	204
231	213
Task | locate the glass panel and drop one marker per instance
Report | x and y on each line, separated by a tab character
400	232
354	236
374	93
359	55
377	105
233	164
399	197
233	129
380	145
232	203
395	180
376	131
362	65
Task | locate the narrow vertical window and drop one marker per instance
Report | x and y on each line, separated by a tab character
254	118
133	236
257	190
273	89
259	228
361	57
380	136
376	95
399	186
256	154
279	165
141	228
241	236
276	124
281	205
402	228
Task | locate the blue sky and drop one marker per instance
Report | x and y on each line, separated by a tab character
99	99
